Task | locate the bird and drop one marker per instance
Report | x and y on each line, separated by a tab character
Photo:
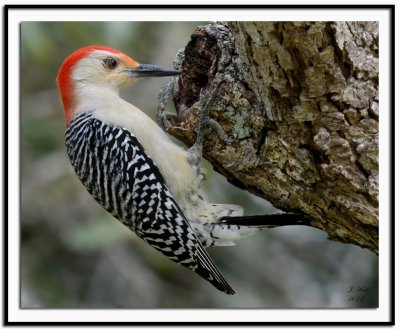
137	173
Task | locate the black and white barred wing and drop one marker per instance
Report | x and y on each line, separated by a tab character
118	173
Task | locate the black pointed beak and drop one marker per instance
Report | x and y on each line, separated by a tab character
149	70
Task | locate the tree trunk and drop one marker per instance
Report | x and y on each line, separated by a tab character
299	101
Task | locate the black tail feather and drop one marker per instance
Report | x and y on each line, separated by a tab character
209	271
271	220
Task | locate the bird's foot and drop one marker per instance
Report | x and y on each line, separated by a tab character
164	119
205	123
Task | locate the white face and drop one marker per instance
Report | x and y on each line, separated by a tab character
104	68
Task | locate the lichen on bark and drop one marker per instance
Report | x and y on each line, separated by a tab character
300	102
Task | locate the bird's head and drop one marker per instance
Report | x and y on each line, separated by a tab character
104	67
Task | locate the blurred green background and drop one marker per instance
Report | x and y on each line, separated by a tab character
75	255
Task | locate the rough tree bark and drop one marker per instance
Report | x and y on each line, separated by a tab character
300	102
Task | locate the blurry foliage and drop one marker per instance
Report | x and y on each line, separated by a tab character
75	255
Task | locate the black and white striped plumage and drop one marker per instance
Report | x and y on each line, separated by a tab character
115	169
131	167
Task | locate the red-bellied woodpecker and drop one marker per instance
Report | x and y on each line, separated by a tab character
130	166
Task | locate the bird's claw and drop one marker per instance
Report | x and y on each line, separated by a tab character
164	118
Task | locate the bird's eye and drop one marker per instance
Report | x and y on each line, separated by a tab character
111	63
